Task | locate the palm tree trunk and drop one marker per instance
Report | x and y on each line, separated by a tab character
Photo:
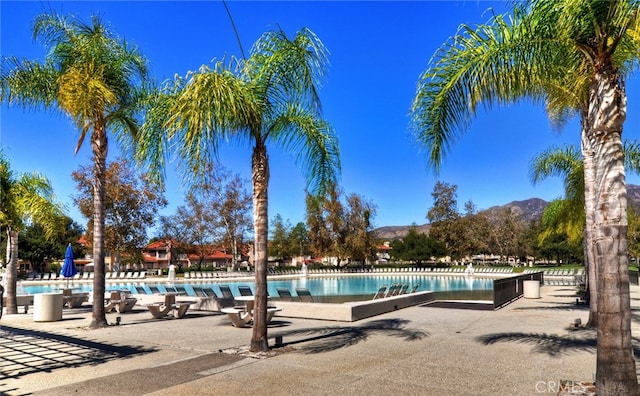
588	155
99	148
260	181
12	271
616	369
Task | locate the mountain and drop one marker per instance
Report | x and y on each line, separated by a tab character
390	233
530	210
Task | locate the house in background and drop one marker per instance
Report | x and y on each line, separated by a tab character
161	253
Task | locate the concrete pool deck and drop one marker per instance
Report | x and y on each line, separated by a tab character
525	348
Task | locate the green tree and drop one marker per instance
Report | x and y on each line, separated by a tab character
417	247
443	215
299	244
474	234
93	77
573	55
341	227
506	229
279	245
193	227
359	229
320	239
131	204
269	99
24	198
231	206
567	216
34	246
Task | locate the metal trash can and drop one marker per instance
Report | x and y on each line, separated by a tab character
47	307
531	289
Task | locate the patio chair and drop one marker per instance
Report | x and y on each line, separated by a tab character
154	289
200	292
285	294
226	300
245	291
138	290
380	293
226	291
181	289
403	289
414	288
392	290
304	295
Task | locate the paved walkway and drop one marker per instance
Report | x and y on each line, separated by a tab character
525	348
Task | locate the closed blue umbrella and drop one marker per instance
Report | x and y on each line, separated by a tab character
68	268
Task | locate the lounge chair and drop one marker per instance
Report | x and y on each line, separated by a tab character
414	288
380	293
226	291
154	289
200	292
181	289
304	295
245	291
285	294
392	290
138	290
206	295
403	289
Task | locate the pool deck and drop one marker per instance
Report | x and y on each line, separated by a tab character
525	348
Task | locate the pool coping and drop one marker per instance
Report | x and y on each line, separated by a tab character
351	311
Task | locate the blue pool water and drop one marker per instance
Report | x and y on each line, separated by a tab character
365	285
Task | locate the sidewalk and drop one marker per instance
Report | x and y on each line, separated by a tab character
525	348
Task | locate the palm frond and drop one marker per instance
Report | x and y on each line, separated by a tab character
496	63
315	143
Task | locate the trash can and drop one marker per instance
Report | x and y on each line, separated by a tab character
47	307
531	289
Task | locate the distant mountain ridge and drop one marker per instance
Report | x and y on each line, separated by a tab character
529	209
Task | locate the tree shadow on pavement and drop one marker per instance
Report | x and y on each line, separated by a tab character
550	344
325	339
555	306
25	351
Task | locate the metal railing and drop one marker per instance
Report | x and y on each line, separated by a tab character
508	289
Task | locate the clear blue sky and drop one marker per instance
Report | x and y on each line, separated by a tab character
377	52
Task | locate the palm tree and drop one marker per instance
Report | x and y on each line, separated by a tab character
568	215
93	77
573	55
271	98
26	197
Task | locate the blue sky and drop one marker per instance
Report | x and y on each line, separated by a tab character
377	52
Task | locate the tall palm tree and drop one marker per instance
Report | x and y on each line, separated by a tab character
93	77
25	197
572	54
569	213
271	98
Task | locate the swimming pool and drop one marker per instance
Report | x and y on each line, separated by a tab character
325	288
